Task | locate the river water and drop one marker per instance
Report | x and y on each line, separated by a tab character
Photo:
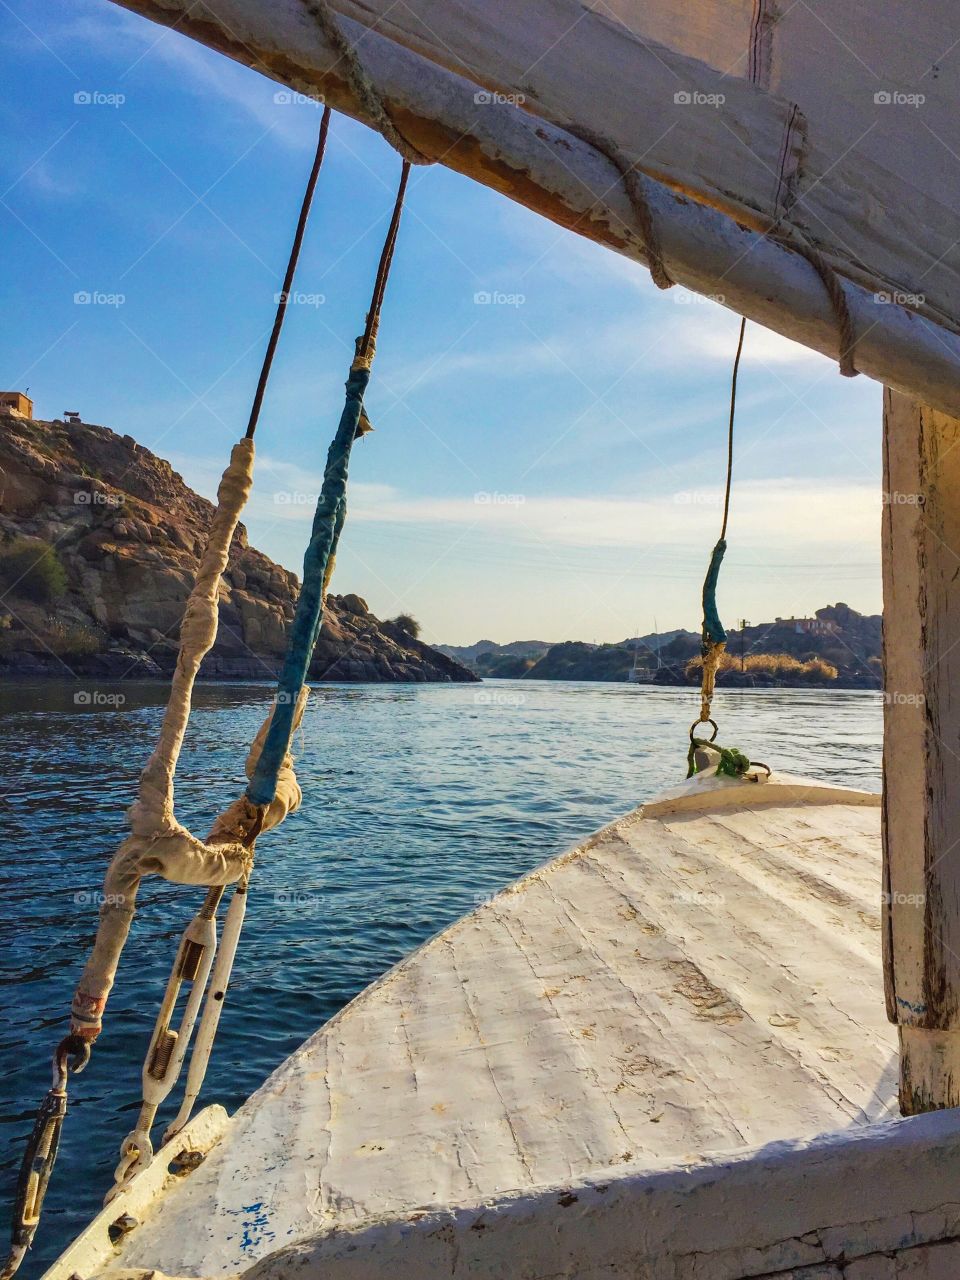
420	800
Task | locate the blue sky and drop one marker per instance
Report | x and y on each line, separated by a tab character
546	465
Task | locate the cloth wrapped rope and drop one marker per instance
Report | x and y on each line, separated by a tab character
159	844
317	566
152	813
713	637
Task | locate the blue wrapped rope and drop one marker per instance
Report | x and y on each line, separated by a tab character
713	632
327	524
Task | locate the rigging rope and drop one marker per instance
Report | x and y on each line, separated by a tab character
634	180
713	636
327	525
833	285
288	276
159	844
226	857
634	183
269	759
364	90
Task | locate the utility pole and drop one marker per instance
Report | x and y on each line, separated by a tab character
743	626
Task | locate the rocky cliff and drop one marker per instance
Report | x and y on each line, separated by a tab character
99	542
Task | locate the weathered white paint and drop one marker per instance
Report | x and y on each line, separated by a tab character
94	1249
756	790
645	1014
921	560
805	141
544	167
801	1210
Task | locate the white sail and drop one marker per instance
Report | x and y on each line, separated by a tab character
824	122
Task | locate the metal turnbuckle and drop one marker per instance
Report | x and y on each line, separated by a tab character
70	1057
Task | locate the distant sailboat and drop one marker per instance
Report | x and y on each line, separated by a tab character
643	674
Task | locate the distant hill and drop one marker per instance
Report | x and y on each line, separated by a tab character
576	660
486	657
656	639
841	637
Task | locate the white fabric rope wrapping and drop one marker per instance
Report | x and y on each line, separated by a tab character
159	844
152	813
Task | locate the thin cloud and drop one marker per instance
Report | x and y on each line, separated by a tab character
772	513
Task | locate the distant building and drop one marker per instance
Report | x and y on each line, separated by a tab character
815	626
17	402
809	626
71	415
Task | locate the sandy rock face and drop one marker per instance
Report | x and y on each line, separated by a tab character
127	532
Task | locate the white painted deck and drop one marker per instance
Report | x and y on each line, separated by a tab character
682	986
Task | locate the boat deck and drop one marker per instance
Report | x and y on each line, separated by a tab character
698	978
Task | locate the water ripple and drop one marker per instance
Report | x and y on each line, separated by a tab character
420	802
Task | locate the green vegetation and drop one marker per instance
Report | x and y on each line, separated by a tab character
66	639
31	568
778	665
76	639
576	660
408	624
504	666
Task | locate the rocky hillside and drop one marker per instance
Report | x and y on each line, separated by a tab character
99	542
487	658
845	641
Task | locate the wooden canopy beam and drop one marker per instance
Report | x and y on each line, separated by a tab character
568	181
921	750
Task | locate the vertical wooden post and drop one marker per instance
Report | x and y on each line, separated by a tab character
921	753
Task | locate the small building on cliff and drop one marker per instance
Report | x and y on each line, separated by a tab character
16	402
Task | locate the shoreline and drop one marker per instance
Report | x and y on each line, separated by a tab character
254	671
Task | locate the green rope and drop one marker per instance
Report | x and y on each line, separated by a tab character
713	638
732	764
713	632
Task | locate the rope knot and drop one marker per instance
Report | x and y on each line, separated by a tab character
364	90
